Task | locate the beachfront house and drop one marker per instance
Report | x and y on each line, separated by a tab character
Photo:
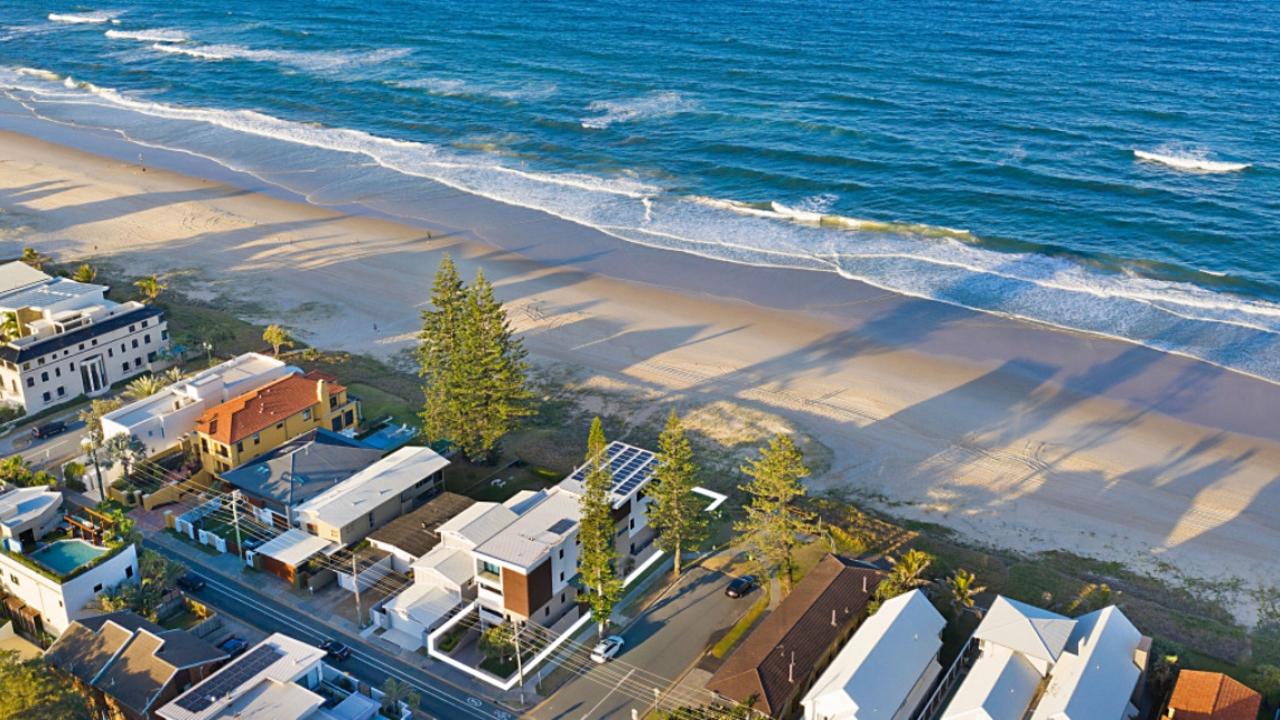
127	667
68	340
280	678
275	483
163	420
782	656
518	560
886	669
53	581
252	424
1032	660
411	536
1203	695
27	514
374	496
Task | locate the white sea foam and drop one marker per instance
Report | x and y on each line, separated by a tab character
317	61
655	105
909	258
39	73
87	18
161	35
453	87
1188	160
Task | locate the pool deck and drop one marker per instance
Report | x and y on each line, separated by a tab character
59	556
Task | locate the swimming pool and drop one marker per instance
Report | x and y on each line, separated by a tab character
64	556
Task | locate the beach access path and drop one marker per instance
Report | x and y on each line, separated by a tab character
1013	434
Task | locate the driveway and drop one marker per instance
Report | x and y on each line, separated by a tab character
661	644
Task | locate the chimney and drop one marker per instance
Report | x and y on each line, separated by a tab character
864	584
322	391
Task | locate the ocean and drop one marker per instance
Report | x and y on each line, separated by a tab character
1108	167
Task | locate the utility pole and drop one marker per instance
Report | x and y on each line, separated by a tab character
235	519
520	662
355	581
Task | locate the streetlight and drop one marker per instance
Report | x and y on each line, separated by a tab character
208	351
87	443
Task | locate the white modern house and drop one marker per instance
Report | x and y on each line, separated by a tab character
26	515
886	669
519	559
48	597
164	419
71	340
1031	659
280	678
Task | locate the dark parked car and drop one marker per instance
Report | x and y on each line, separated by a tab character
48	430
191	582
233	645
740	586
335	650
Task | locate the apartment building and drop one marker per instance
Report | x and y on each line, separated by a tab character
165	419
60	580
68	340
27	514
265	418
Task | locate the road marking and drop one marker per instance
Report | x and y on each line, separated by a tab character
608	694
469	707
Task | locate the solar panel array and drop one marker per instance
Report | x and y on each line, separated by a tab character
231	677
630	467
562	526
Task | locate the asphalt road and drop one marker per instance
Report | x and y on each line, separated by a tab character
45	454
660	645
366	662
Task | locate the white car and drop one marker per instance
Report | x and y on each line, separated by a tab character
607	648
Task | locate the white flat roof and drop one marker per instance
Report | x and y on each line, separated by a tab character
532	535
56	292
1096	675
252	687
874	673
231	373
293	547
17	275
361	493
22	505
999	686
478	522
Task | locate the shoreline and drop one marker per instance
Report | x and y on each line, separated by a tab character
1023	435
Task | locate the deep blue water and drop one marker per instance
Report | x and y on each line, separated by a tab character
981	154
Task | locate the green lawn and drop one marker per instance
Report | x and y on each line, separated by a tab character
743	626
379	403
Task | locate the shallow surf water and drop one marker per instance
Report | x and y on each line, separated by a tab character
970	155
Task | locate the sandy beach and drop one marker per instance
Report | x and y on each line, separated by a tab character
1016	435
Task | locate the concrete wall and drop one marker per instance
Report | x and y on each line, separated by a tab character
60	603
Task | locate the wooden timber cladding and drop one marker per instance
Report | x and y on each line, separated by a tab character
523	594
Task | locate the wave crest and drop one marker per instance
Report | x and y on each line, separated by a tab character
1188	159
316	61
161	35
647	107
96	17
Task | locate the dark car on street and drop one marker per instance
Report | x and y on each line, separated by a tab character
335	650
49	429
233	645
739	587
191	582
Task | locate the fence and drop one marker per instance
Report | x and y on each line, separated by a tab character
942	690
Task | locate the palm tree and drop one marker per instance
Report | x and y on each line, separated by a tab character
277	337
395	692
172	375
127	450
11	328
34	258
909	569
961	586
86	273
144	386
150	287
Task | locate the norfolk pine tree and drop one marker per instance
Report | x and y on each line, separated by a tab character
773	520
676	513
595	530
472	365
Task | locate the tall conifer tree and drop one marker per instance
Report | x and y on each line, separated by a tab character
676	513
773	518
597	557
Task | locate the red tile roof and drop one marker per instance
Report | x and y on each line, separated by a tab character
1212	696
240	417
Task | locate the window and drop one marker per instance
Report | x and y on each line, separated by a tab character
546	612
279	426
306	414
240	446
131	327
110	353
370	519
31	382
561	576
144	323
257	438
561	556
13	579
40	361
633	523
151	356
124	366
44	376
47	397
128	572
26	366
164	334
123	347
73	366
93	341
57	372
134	344
97	588
204	444
81	346
147	338
61	391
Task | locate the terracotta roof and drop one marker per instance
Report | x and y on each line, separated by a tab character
1212	696
240	417
415	533
781	655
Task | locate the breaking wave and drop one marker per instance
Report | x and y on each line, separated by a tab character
157	36
944	264
452	87
647	107
1188	160
87	18
316	61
